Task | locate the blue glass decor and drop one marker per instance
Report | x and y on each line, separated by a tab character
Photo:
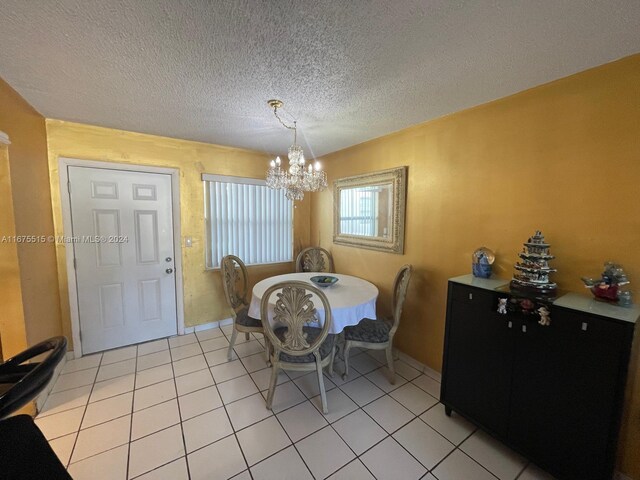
481	261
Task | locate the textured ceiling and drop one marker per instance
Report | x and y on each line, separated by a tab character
348	70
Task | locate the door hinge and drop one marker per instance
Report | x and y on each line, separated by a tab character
75	264
69	186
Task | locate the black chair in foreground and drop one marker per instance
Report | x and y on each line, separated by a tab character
25	453
21	382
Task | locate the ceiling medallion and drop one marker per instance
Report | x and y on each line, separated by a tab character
297	179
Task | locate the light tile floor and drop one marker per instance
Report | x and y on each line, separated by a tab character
176	409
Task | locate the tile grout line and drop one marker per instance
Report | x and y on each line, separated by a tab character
357	457
175	386
387	435
329	424
131	426
275	415
233	430
86	406
475	461
526	465
305	398
390	435
133	396
195	371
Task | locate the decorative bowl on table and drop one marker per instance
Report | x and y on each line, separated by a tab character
323	281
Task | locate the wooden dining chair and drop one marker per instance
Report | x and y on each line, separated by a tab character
235	281
296	342
378	334
314	259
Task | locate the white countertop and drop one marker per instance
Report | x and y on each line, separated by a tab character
586	303
575	301
490	283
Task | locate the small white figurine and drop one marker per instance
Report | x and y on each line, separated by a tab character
502	306
545	319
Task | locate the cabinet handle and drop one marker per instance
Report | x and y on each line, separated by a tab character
510	324
524	329
585	325
471	296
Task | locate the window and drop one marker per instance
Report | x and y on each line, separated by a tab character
247	219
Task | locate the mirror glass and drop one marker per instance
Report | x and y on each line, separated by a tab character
366	211
369	210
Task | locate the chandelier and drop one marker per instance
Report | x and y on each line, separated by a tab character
298	178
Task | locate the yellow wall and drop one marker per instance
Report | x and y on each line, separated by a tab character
563	158
27	157
13	334
203	294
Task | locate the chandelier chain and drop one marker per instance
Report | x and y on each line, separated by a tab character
294	128
275	112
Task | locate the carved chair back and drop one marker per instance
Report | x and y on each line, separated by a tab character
314	259
400	286
294	309
235	281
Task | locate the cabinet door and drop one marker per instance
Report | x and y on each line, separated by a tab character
563	395
477	360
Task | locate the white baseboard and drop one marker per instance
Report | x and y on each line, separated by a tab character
208	326
421	367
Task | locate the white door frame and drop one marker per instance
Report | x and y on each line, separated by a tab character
65	200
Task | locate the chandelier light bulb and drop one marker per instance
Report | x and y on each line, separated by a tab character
273	164
317	166
278	161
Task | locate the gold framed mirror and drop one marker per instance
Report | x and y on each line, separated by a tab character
369	210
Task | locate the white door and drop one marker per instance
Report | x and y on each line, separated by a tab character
123	242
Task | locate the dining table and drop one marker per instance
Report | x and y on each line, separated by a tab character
351	298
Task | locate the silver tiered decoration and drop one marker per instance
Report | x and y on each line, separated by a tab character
532	272
298	178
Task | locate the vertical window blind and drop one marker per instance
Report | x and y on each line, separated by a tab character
247	219
359	211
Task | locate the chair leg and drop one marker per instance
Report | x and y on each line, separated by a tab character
323	394
247	336
267	350
347	347
234	334
390	364
272	386
333	355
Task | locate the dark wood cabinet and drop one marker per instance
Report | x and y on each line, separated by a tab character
481	387
553	393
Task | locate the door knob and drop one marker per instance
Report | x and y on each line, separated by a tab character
168	259
169	270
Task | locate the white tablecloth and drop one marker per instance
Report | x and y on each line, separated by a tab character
351	298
